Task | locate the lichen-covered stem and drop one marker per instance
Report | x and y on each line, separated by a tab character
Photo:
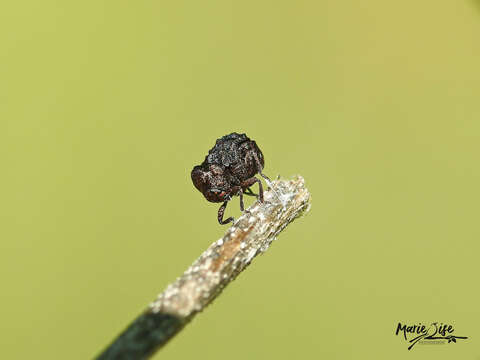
248	237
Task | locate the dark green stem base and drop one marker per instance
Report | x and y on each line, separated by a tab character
143	337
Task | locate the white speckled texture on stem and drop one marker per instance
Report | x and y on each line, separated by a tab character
248	237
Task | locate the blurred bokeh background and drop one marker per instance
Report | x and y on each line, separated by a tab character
105	106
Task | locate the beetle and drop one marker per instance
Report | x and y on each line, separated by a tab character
229	169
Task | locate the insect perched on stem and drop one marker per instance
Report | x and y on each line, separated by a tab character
229	169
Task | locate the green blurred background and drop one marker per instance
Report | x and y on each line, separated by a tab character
105	106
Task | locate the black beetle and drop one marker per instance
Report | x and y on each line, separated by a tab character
229	169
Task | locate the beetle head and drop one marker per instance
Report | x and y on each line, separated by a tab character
211	183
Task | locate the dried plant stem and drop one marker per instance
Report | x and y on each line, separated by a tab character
248	237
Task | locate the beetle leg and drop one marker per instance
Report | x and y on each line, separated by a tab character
260	189
237	190
242	207
220	214
249	182
249	192
265	177
260	168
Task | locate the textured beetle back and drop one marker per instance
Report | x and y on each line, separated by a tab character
226	151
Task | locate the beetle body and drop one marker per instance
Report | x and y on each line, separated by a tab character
229	169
